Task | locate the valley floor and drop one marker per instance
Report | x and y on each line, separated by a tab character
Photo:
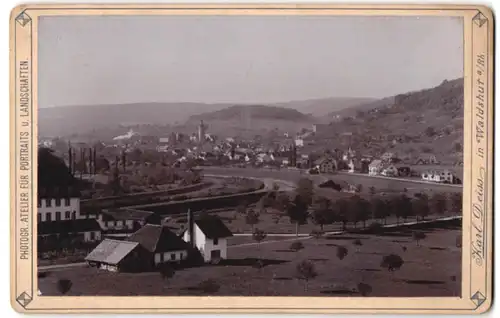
432	268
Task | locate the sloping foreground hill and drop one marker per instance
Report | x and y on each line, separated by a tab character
426	121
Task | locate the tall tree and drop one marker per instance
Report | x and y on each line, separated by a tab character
94	155
297	212
421	206
306	271
438	203
52	171
322	213
360	209
379	209
282	202
455	203
124	160
258	235
418	236
70	159
252	218
305	189
406	207
343	212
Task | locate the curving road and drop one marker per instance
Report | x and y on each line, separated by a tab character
291	176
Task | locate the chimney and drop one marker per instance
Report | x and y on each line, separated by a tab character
190	227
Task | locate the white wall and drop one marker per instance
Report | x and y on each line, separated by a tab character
116	225
72	207
110	268
87	236
179	255
205	245
209	247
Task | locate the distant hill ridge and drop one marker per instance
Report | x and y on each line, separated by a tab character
242	112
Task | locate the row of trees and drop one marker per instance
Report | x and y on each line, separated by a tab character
355	209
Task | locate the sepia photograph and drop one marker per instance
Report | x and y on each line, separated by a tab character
249	155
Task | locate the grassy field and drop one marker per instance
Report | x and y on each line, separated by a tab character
431	269
380	184
269	224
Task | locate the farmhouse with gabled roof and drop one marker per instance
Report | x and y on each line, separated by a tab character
209	235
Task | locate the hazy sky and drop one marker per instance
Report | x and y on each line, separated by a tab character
118	59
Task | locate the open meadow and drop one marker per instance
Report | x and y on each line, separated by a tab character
430	267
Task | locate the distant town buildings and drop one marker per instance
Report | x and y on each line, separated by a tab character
326	164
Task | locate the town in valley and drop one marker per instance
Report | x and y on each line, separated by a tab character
212	164
258	215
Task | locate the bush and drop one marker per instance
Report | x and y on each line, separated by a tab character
166	271
357	242
392	262
64	285
375	227
364	289
209	286
296	246
342	252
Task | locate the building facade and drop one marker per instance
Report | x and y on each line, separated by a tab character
60	209
209	236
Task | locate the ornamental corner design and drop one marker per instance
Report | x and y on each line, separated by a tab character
24	299
23	19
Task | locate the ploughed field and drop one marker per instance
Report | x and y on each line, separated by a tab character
431	268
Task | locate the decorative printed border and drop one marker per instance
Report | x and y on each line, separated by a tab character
478	71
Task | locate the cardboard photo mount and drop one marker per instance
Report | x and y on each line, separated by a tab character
478	23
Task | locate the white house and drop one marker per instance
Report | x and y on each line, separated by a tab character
59	215
375	167
60	209
299	142
209	235
433	176
444	176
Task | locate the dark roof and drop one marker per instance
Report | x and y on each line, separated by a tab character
58	192
324	159
125	214
331	184
157	239
68	226
111	251
213	227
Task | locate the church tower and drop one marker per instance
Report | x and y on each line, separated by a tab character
202	128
